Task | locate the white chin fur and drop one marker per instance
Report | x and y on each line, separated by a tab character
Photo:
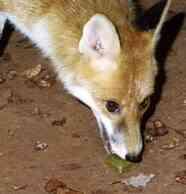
115	138
119	150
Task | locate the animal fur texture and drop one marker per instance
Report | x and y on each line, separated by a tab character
101	57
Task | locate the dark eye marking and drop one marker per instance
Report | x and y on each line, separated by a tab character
112	106
145	104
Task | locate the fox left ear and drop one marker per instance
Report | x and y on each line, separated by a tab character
156	34
99	38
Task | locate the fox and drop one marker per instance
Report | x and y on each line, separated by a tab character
100	55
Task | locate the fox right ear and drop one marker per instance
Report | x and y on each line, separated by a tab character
99	38
156	33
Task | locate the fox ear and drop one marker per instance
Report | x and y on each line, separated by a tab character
158	29
99	38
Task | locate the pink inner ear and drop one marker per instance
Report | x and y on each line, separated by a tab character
95	43
94	40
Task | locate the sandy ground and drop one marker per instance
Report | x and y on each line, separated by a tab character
43	112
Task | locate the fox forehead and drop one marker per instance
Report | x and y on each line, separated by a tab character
140	62
134	69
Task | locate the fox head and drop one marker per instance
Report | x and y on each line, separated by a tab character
118	79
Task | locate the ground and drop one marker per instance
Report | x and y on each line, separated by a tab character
41	113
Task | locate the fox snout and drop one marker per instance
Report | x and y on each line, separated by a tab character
123	139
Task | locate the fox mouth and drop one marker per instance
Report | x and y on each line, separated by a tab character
112	136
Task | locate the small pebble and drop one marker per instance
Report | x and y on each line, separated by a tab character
149	138
59	123
40	146
168	147
36	111
33	72
158	124
139	181
181	177
44	84
2	79
11	74
53	184
75	135
1	154
11	133
20	187
175	142
157	128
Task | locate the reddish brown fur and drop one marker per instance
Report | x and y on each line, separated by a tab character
128	84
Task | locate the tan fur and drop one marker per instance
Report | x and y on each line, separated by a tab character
128	84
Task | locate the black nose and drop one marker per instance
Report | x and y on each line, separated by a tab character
133	157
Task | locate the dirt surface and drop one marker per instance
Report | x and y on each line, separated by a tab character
45	133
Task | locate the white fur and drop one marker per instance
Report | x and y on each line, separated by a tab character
38	32
2	22
41	35
82	94
118	146
104	64
119	149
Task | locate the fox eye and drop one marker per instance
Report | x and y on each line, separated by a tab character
112	107
144	105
